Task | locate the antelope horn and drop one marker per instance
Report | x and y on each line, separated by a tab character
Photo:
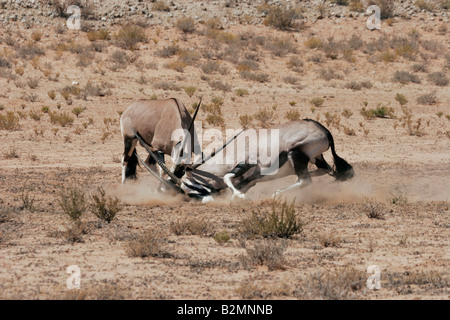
158	161
183	143
195	166
155	174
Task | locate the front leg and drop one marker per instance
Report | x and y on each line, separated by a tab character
236	193
237	172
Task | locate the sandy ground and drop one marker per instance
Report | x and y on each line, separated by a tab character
406	178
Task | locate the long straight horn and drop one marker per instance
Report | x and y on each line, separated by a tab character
218	150
157	160
183	143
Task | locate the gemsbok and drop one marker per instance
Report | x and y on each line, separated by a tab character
292	146
155	121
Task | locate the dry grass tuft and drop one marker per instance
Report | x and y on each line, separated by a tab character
277	220
129	36
149	244
264	253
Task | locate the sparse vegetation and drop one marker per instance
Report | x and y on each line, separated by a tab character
268	252
63	119
277	219
222	237
265	117
186	25
340	284
9	121
401	99
149	244
405	77
192	226
245	120
190	91
356	86
378	112
427	98
374	210
292	115
241	92
438	79
160	5
62	93
129	36
258	77
313	43
282	18
104	207
330	240
317	102
52	94
347	113
72	201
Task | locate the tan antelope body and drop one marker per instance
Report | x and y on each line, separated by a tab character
156	121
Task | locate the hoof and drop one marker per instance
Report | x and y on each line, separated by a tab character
238	195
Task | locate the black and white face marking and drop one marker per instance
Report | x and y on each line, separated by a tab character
193	189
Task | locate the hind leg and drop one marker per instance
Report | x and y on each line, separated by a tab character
299	161
129	159
322	167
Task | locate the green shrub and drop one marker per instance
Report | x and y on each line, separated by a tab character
438	79
73	202
278	219
292	115
378	112
267	252
147	245
186	25
317	102
104	207
281	18
241	92
401	99
129	36
265	117
427	98
405	77
222	237
63	119
9	121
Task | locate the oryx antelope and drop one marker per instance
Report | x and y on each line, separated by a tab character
299	143
155	121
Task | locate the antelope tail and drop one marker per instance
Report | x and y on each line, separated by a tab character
342	169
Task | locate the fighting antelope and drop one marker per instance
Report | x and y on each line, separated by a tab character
298	143
155	121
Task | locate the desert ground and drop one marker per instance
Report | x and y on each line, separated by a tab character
384	95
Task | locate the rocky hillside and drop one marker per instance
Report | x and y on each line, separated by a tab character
164	13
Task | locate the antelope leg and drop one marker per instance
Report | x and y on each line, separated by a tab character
236	193
301	183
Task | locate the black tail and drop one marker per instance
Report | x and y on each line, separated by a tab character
343	170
